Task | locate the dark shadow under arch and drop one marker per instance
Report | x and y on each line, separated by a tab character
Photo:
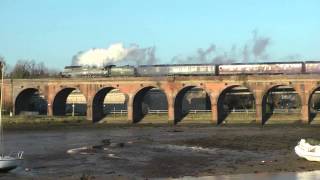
29	100
98	112
269	104
235	101
60	102
141	108
179	112
314	105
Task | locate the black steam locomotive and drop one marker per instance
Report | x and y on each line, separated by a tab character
194	69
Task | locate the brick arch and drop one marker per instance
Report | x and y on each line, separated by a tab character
269	87
41	90
98	99
314	89
23	98
60	98
140	87
230	86
220	114
110	88
136	102
311	92
178	98
266	91
207	90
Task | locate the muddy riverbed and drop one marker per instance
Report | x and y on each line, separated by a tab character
129	152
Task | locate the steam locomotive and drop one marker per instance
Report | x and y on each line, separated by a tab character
194	69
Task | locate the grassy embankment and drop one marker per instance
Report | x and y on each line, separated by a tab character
200	118
42	122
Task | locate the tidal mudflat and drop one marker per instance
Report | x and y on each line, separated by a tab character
158	151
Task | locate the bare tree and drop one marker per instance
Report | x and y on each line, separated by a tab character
2	61
25	69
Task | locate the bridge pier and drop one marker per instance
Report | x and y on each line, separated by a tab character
130	109
89	112
214	113
214	106
50	94
305	91
89	97
258	96
49	110
259	115
14	109
130	114
304	116
170	100
170	113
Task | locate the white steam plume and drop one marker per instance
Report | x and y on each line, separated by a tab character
115	54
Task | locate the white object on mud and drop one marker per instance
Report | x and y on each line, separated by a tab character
113	156
76	150
308	151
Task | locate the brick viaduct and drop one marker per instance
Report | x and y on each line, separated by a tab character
56	91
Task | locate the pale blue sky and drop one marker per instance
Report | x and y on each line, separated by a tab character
53	31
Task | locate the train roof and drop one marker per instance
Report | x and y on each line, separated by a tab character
164	65
206	64
250	63
317	61
253	63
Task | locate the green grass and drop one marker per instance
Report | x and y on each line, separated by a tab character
284	118
42	119
42	122
46	122
240	118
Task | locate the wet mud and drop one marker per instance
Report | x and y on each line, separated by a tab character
138	152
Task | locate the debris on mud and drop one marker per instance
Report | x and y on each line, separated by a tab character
175	130
105	144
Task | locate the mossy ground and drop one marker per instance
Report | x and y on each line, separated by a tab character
46	122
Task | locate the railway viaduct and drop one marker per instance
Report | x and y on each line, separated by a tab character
55	91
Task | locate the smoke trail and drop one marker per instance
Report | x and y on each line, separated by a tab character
245	54
233	52
208	56
203	54
140	56
222	59
260	45
253	50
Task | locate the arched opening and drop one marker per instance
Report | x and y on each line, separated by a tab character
150	105
236	104
69	102
192	104
281	104
31	102
110	105
314	105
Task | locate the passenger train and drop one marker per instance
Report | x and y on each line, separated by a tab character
308	67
